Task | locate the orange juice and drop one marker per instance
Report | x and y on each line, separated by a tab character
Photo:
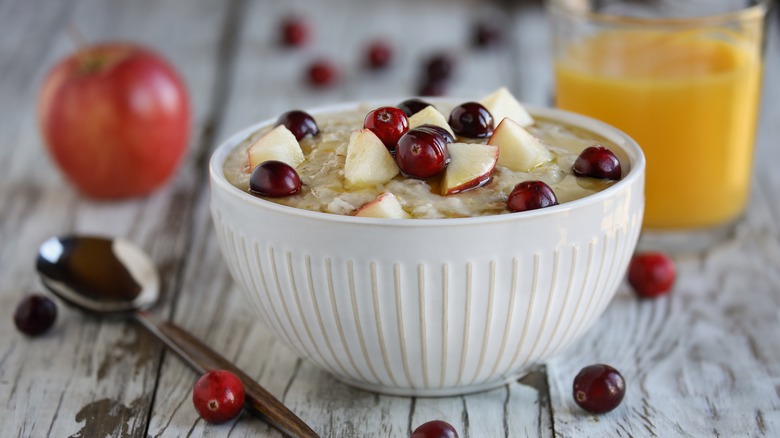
690	99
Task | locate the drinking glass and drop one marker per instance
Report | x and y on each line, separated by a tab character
683	78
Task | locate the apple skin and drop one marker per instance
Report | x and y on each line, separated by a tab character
116	119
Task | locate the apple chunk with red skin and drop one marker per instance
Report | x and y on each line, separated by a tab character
471	165
278	144
385	205
115	118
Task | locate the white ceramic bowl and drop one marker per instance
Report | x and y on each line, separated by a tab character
431	306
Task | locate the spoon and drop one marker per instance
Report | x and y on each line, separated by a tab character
114	276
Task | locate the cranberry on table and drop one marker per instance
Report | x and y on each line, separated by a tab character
421	153
435	429
412	106
321	73
651	274
531	195
300	123
294	31
218	396
379	54
433	87
274	179
486	34
388	123
35	314
439	67
599	388
598	162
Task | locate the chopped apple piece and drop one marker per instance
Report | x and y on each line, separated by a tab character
471	165
368	161
502	104
429	116
278	144
385	205
518	150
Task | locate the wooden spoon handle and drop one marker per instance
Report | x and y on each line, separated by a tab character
203	359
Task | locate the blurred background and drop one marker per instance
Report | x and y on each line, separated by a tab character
231	53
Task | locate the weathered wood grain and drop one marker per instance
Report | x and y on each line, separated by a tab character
702	362
87	377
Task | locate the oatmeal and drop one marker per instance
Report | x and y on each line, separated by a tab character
326	189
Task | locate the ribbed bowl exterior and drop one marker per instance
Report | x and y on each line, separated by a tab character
430	307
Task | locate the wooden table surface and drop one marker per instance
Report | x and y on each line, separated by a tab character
704	361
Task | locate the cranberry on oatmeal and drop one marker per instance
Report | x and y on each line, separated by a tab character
431	171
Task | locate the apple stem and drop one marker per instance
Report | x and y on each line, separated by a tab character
76	36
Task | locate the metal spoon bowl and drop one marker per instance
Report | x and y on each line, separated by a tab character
114	276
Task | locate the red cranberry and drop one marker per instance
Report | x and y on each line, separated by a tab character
439	130
486	34
294	31
433	87
412	106
435	429
388	123
597	162
651	274
274	179
35	314
471	119
531	195
421	153
218	396
379	55
322	73
439	67
300	123
599	388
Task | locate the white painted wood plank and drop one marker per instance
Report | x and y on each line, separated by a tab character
86	376
210	307
700	362
703	361
449	409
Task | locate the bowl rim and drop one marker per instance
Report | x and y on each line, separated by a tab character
629	146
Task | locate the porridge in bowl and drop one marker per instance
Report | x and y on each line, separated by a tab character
428	307
412	162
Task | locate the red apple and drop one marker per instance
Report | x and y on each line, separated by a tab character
116	119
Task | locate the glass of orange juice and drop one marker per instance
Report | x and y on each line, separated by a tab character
683	78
